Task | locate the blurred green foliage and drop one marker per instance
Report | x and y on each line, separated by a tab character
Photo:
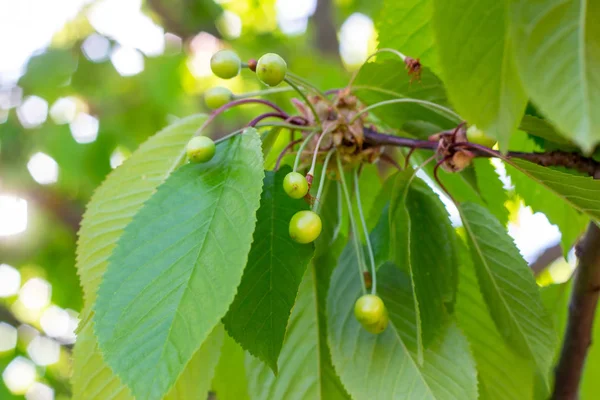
129	110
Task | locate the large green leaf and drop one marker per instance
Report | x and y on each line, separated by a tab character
423	243
478	64
230	381
384	366
503	374
110	210
557	43
305	370
122	194
260	311
414	35
195	380
386	80
581	193
541	128
491	189
508	287
571	222
92	379
182	259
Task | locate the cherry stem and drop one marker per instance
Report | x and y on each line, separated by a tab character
301	149
391	161
438	180
263	92
287	148
234	103
317	203
308	103
265	116
406	100
306	83
384	50
311	171
366	232
355	234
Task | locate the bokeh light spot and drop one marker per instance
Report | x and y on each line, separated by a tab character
10	280
35	294
127	61
44	351
32	112
63	110
8	337
96	48
19	375
13	215
43	168
39	391
84	128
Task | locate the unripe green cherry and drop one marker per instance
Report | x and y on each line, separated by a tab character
369	309
271	69
217	97
295	185
305	226
379	326
200	149
225	64
477	136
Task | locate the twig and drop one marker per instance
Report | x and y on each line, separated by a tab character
582	309
555	158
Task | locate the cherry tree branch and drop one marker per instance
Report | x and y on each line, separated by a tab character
582	309
554	158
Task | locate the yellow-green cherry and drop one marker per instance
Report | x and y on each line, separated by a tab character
305	226
217	97
271	69
225	64
369	309
477	136
379	326
200	149
295	185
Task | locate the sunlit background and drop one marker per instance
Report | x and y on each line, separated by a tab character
82	83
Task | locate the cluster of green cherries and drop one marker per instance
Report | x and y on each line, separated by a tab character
305	226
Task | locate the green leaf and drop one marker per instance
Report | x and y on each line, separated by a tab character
491	189
543	129
503	374
540	198
195	380
414	35
182	258
268	140
230	381
110	210
384	366
122	194
478	65
423	242
581	193
260	311
388	80
557	43
305	369
92	378
508	287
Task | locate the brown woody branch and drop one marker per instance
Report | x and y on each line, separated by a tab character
582	309
555	158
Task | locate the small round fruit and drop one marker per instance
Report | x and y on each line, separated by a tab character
369	309
379	326
217	97
305	226
271	69
225	64
295	185
200	149
477	136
